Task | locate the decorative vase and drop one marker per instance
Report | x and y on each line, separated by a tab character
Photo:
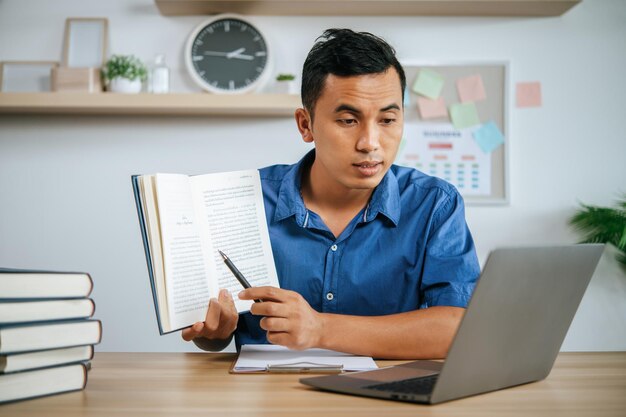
124	85
286	87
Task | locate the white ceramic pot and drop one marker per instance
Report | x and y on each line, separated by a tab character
286	87
124	85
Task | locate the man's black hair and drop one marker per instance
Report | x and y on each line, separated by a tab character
344	53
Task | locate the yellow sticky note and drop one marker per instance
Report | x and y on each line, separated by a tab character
428	83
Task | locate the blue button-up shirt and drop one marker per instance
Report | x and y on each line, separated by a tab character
410	248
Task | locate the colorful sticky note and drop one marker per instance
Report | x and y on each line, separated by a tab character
407	97
428	83
488	137
528	94
471	88
432	109
464	115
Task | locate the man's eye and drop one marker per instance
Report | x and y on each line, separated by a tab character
388	121
348	122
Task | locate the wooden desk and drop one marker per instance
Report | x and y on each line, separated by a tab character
198	384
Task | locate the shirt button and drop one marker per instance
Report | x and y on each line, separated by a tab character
330	296
333	248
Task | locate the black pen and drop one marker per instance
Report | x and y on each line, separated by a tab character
242	280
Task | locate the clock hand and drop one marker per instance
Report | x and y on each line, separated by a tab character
236	52
240	56
230	55
215	53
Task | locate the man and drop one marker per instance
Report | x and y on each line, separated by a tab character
372	258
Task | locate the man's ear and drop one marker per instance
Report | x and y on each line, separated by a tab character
305	125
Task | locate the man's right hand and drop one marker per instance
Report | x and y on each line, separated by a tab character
220	321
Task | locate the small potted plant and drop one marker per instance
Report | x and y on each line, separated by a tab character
286	84
124	74
603	225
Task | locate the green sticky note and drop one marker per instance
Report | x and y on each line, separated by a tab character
428	84
464	115
488	137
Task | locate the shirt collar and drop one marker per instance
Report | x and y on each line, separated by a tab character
385	200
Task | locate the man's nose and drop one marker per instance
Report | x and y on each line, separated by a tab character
369	138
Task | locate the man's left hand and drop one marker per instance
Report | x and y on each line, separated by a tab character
288	318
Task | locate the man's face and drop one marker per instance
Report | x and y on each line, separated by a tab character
357	129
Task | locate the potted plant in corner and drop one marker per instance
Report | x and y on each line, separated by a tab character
603	225
286	84
124	74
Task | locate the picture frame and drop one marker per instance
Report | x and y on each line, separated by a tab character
85	42
26	76
485	179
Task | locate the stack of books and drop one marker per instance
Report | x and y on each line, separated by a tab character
46	334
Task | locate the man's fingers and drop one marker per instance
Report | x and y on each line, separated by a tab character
270	309
193	331
264	293
275	324
212	319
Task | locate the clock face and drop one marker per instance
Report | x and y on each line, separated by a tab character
227	55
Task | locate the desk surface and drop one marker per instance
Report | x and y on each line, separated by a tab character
198	384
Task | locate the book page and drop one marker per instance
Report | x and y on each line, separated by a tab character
232	206
147	186
186	272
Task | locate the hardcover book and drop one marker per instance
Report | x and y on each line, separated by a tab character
184	221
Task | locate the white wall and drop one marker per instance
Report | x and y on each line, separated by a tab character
65	195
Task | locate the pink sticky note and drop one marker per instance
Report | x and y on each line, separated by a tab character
471	88
432	109
528	94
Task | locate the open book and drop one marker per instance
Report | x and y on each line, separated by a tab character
184	221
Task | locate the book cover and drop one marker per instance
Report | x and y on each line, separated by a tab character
41	336
22	311
42	382
36	284
44	359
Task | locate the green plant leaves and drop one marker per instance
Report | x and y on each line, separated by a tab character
603	225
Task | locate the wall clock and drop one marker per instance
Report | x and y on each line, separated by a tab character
227	54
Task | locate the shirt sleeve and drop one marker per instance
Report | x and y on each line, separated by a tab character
450	265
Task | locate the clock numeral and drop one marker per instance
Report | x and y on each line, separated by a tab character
231	84
210	30
260	53
244	27
202	73
259	69
214	83
199	42
198	58
248	81
227	26
256	38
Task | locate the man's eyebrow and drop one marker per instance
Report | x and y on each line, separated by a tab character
393	106
347	107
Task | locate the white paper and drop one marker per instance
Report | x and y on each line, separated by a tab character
441	150
233	213
254	358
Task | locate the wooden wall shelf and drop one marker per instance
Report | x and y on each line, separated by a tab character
368	7
199	104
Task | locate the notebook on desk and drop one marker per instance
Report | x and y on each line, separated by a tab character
511	333
278	359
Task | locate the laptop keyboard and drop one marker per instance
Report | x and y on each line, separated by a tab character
421	385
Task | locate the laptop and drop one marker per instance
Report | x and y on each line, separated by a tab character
510	335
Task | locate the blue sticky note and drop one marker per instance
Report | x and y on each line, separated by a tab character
407	97
488	137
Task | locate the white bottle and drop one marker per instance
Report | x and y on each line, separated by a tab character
160	76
